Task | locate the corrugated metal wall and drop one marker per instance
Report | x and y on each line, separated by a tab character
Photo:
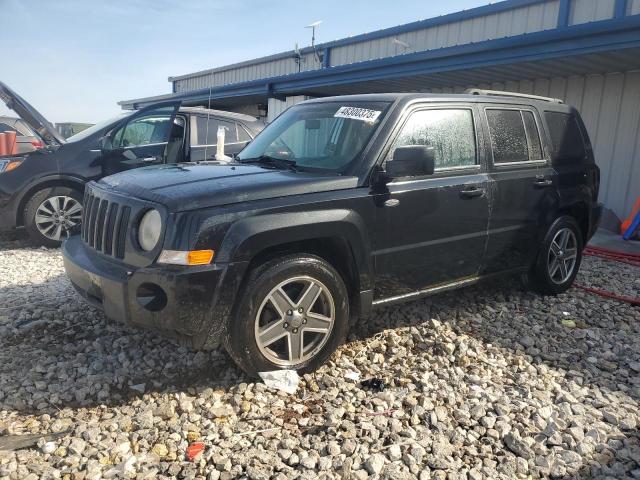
276	107
273	68
584	11
610	107
517	21
533	18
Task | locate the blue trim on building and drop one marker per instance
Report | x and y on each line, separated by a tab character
326	57
564	13
620	9
581	39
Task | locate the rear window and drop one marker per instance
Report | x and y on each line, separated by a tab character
208	131
566	139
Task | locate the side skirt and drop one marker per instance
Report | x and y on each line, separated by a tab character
442	287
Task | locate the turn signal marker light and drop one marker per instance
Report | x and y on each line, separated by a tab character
12	165
192	257
200	257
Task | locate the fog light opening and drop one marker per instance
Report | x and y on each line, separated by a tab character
151	297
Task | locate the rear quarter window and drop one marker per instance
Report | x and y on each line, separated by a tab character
567	141
6	128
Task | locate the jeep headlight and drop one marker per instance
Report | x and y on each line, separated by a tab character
149	230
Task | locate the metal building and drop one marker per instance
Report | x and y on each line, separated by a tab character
586	52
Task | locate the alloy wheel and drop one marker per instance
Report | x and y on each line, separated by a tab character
57	216
295	321
562	257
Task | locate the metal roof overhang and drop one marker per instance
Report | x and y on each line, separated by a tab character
598	47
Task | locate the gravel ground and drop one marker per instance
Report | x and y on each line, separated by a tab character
488	382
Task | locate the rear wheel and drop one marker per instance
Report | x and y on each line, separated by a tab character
52	215
292	314
559	258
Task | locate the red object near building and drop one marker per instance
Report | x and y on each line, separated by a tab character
11	142
3	144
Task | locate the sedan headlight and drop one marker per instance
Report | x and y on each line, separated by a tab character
149	230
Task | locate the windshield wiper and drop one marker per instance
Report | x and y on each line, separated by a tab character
268	160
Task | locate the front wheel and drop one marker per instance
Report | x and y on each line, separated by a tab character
52	215
559	258
292	314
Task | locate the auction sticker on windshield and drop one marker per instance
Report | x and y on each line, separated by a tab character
355	113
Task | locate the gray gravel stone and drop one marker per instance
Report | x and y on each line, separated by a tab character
482	383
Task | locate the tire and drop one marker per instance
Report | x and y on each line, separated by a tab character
256	310
51	234
550	277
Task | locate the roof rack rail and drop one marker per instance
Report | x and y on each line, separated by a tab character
498	93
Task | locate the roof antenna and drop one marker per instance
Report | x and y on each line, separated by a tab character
313	26
297	56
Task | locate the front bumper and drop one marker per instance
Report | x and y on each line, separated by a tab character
186	303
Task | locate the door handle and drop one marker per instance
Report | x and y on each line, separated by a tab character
149	159
472	192
543	182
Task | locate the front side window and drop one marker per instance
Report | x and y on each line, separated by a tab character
145	130
324	136
449	131
566	139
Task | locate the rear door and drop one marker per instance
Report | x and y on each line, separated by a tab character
204	137
432	229
523	180
142	140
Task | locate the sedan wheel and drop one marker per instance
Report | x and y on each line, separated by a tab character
57	216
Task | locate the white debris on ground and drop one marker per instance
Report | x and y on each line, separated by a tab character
487	382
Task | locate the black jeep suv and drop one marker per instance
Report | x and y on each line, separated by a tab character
340	205
43	190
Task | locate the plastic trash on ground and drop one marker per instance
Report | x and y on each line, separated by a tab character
283	380
352	375
195	449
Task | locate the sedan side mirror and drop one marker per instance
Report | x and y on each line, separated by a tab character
411	161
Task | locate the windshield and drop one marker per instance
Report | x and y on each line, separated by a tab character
324	136
98	126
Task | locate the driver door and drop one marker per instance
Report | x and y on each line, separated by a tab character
141	141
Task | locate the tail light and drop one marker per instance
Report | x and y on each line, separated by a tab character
37	144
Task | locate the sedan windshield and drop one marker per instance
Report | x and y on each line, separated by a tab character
324	136
98	126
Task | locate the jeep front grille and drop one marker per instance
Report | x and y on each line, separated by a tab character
105	224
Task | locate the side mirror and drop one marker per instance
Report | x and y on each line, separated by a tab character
411	161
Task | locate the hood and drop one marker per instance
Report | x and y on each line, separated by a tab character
36	121
191	186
